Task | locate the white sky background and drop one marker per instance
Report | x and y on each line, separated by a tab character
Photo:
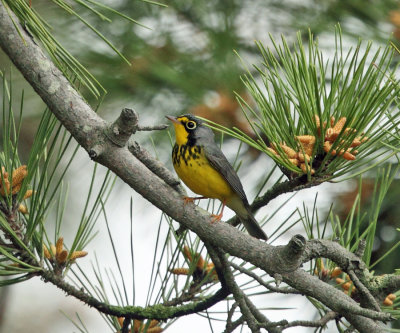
33	306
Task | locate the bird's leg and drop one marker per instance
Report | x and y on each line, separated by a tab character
218	217
186	200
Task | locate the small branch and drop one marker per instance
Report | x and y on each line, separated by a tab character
155	166
229	324
223	270
183	298
159	311
322	248
295	184
240	299
339	301
256	313
366	297
152	128
251	314
262	282
234	325
316	323
350	263
218	264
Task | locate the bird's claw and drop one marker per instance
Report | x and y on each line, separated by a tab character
216	217
187	200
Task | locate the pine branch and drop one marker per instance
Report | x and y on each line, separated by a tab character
90	132
159	311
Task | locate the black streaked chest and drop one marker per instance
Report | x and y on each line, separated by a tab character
184	154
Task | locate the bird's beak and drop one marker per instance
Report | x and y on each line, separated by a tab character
173	119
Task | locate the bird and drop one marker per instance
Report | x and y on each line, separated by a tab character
203	167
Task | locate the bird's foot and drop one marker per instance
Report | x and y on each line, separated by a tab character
216	217
187	200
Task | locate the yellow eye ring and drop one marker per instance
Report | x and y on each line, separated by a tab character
191	125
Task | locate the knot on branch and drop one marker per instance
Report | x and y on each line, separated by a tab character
121	129
296	245
289	257
95	152
361	248
127	124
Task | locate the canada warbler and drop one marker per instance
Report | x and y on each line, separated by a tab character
202	166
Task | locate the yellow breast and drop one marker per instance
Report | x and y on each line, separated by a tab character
193	168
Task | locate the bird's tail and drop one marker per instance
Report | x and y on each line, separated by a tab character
242	210
252	226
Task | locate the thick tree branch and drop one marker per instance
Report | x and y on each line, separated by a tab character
92	133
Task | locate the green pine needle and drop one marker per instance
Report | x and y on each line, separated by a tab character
66	62
295	84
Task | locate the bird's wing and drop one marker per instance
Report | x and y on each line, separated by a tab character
219	162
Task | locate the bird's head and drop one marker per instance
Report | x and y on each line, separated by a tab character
188	129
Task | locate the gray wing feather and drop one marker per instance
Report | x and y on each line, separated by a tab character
219	162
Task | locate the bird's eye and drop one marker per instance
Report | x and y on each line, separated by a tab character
191	125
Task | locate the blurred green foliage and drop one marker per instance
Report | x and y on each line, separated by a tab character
187	52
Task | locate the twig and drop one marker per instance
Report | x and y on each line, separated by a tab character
152	128
364	292
247	308
134	312
344	306
234	325
256	313
262	282
155	166
184	297
388	283
223	270
229	322
239	297
313	323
